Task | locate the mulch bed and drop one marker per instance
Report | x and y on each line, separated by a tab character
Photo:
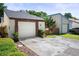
25	49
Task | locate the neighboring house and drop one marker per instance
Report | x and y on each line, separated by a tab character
22	22
61	22
73	23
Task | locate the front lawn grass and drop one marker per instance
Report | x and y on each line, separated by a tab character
71	36
8	48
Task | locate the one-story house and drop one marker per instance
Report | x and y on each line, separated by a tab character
25	24
73	23
61	22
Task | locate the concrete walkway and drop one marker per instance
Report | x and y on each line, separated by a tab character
58	46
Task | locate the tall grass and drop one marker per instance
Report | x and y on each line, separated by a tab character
8	48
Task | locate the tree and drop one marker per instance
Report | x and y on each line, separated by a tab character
31	12
74	18
50	23
68	15
2	9
48	20
40	13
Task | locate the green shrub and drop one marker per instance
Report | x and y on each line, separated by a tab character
40	33
15	36
48	32
3	32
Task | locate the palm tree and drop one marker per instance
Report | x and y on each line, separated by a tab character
50	24
2	9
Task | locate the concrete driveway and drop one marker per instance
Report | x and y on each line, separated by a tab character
58	46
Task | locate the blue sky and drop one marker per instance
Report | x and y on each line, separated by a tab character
49	8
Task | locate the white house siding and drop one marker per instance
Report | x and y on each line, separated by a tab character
11	27
64	25
61	23
10	23
57	18
6	22
75	25
41	25
1	21
70	25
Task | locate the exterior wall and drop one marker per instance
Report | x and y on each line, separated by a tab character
6	22
41	25
64	20
61	23
70	24
11	27
57	18
27	20
10	23
64	25
73	23
1	21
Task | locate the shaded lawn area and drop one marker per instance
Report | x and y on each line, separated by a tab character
8	48
51	36
71	36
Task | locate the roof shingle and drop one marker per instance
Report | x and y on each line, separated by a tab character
21	15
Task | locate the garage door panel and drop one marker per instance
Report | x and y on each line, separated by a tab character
26	29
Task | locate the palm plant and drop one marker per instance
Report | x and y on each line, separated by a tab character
2	9
50	23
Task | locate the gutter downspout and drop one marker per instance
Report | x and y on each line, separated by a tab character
61	24
68	25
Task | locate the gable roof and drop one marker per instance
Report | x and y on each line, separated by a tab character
55	14
21	15
76	21
58	14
